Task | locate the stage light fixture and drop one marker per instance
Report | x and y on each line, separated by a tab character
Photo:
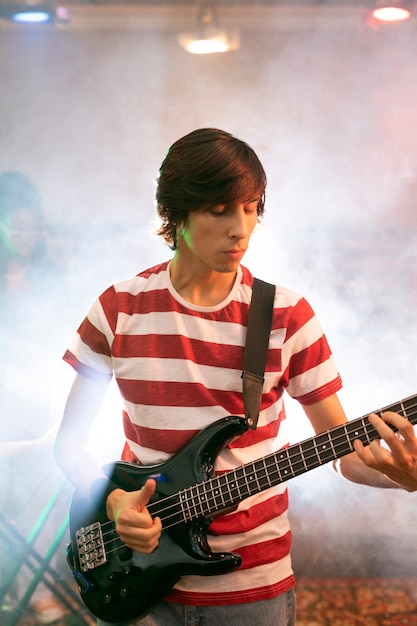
30	12
208	36
395	11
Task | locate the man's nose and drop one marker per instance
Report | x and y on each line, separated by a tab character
239	225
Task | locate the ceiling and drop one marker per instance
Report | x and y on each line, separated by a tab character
174	15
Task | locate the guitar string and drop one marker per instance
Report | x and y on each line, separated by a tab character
346	429
215	483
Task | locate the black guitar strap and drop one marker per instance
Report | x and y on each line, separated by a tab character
256	348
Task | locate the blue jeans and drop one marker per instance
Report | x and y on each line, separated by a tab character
279	611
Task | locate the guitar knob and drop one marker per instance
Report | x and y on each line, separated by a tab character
107	598
124	592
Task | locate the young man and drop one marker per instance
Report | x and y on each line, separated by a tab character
173	336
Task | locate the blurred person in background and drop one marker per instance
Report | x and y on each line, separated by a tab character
31	299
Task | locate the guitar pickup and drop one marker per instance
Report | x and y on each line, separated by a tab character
90	547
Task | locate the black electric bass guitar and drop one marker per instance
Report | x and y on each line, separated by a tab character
117	584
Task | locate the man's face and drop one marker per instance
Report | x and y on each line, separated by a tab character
216	237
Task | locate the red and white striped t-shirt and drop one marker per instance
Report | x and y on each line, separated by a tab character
178	368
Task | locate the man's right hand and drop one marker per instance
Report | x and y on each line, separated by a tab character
137	529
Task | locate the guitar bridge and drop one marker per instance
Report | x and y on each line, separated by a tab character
90	547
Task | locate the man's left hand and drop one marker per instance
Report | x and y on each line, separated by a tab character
399	461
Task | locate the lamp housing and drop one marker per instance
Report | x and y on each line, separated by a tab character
208	36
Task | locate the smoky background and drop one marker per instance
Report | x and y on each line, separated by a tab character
89	117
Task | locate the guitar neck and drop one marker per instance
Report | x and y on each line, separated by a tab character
224	492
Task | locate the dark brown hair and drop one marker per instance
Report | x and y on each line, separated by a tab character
206	167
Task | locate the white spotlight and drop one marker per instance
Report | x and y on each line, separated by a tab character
395	11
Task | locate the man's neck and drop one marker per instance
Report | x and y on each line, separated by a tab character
201	287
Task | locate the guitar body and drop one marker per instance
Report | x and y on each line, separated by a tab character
117	584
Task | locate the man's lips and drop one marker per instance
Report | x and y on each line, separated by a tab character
234	253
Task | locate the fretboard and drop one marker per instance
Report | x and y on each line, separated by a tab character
224	492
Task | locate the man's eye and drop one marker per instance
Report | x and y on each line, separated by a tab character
252	206
219	209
